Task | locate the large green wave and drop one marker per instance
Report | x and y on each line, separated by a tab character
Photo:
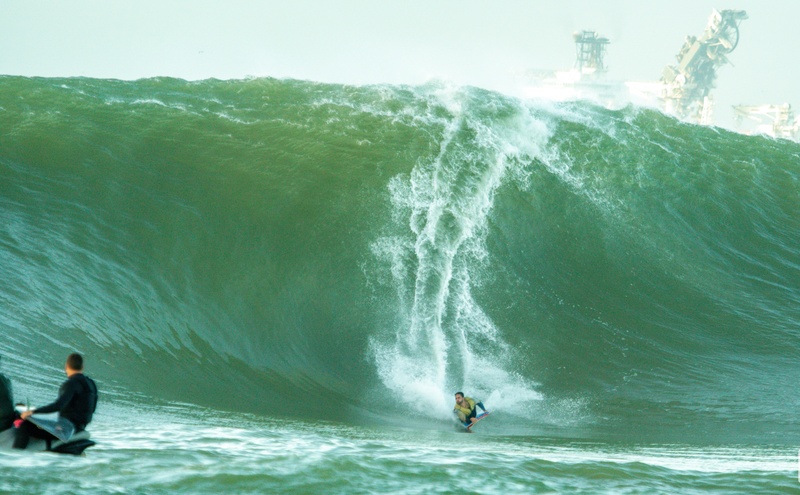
305	249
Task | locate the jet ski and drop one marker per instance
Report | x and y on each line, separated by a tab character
67	441
76	444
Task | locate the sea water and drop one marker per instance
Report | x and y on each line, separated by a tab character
279	285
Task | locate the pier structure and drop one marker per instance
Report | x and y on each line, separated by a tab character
687	85
590	50
777	121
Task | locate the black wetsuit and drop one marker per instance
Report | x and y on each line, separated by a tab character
6	404
77	400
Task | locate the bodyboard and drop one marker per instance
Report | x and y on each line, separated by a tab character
479	417
61	428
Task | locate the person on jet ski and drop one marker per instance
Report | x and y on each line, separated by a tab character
77	401
7	413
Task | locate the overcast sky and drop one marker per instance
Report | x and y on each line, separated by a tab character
480	43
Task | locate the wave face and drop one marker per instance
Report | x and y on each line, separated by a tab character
357	253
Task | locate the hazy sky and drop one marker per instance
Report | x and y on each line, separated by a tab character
410	41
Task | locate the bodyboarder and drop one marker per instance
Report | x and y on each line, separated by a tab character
465	409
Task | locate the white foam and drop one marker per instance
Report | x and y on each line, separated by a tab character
446	341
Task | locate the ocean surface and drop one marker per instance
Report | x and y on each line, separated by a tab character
279	285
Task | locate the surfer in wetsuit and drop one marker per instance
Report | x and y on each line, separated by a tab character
465	408
7	413
77	400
